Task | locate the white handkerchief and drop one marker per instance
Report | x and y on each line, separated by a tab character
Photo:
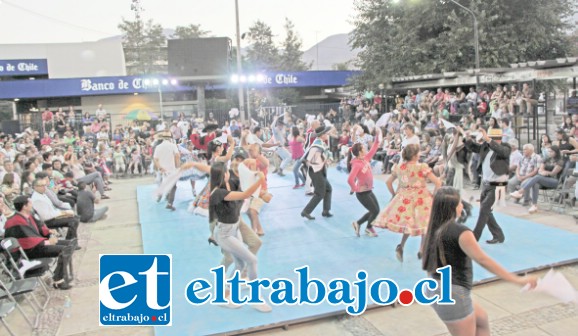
556	285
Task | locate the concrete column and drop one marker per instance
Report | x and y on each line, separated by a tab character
201	101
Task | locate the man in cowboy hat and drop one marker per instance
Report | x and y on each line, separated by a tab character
167	159
495	163
316	160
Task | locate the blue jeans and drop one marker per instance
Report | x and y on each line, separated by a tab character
534	185
297	172
227	236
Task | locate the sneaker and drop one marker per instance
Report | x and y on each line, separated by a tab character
517	194
370	232
296	186
356	228
262	307
533	209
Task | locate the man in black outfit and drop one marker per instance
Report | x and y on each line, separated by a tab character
316	159
495	164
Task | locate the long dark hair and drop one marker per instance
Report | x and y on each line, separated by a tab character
295	132
556	150
443	214
354	151
216	181
212	148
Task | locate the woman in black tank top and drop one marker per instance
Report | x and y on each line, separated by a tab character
450	243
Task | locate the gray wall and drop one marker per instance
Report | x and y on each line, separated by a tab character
72	60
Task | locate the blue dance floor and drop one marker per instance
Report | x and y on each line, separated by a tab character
328	246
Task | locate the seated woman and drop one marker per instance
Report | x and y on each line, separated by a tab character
9	189
547	177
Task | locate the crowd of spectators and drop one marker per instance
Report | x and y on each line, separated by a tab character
64	169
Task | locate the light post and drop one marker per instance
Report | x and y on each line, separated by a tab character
476	41
239	66
159	85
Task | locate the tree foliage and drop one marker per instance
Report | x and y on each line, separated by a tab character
190	31
143	45
291	54
410	37
263	55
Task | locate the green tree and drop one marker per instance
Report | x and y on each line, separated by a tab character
340	66
407	37
262	55
144	46
190	31
290	59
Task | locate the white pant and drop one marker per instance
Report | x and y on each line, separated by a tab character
285	157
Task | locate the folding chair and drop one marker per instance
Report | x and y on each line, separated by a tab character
7	307
10	288
555	198
11	246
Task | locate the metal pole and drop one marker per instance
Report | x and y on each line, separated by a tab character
476	40
239	69
14	112
248	104
161	103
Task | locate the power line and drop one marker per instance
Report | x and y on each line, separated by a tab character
52	18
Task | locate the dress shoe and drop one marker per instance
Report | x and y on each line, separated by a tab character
62	286
399	253
77	248
327	214
306	215
495	241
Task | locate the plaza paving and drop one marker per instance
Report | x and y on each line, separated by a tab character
510	312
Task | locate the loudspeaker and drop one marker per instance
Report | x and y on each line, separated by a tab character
199	56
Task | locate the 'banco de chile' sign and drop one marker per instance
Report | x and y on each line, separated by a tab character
114	85
23	67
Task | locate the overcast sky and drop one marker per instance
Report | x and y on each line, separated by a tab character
51	21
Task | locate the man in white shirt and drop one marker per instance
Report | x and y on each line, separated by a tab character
100	113
52	217
507	132
167	159
281	141
515	155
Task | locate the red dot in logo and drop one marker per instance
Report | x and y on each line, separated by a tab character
406	297
154	318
